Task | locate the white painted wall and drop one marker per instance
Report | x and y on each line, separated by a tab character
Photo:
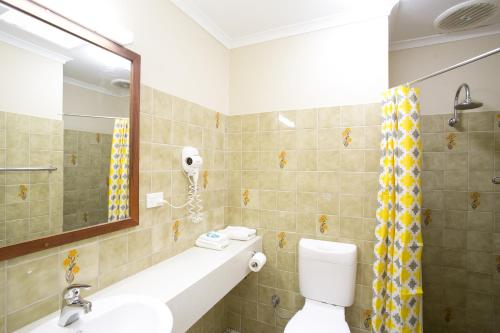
89	102
438	93
29	83
178	56
338	66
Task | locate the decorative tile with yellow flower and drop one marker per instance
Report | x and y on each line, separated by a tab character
451	141
70	265
427	216
217	120
346	135
447	314
281	239
246	197
205	179
476	200
282	159
367	318
23	192
176	230
323	224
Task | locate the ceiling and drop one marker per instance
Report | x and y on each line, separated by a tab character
242	22
238	23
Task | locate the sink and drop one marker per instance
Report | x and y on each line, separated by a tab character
123	313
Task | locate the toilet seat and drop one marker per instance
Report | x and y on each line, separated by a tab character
318	317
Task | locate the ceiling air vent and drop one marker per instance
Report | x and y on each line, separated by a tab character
121	83
468	14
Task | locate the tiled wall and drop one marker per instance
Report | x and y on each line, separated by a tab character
30	286
30	202
461	223
308	173
86	172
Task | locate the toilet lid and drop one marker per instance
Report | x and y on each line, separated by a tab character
306	321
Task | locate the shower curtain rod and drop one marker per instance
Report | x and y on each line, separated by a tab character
460	64
90	116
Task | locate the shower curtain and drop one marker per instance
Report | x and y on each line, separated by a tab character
397	286
118	196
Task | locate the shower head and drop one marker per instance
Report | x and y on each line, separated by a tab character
466	104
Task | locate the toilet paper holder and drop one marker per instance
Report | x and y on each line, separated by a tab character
256	261
254	264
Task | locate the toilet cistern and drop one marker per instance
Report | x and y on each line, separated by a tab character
327	276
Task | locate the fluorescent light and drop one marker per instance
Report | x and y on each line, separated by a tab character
41	29
285	121
108	59
96	15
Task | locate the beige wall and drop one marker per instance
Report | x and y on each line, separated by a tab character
85	101
24	74
437	94
178	56
338	66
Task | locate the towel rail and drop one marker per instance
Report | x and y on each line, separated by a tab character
50	168
496	180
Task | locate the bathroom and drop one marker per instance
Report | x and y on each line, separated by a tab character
133	133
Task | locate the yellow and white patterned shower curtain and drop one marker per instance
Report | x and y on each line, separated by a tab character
397	286
118	187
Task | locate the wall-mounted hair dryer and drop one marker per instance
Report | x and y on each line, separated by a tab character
191	164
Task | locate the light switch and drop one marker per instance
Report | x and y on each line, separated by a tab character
154	200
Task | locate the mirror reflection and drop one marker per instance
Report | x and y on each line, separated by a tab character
64	131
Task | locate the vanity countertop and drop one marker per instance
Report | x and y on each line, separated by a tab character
183	274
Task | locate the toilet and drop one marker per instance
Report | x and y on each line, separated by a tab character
327	275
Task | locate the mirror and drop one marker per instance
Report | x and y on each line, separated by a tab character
65	130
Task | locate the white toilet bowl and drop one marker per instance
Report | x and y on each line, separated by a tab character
318	317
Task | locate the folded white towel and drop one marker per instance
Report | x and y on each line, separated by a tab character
239	233
212	246
213	240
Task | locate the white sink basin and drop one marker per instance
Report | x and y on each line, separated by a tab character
123	314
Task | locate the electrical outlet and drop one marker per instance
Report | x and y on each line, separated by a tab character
154	200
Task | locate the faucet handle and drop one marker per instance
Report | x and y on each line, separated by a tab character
78	286
72	292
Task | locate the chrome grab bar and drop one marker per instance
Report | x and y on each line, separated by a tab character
496	180
50	168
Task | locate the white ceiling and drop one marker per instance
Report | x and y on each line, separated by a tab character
242	22
237	23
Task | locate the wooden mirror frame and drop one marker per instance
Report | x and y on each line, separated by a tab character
46	15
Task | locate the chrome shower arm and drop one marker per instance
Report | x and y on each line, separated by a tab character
467	92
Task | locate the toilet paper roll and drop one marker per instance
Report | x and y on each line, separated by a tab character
257	261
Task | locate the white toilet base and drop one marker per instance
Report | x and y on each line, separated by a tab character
318	317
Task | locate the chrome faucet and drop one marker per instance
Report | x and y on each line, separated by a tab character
72	304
